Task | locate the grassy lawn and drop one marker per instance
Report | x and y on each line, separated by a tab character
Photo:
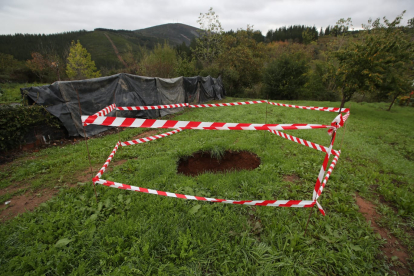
11	92
130	233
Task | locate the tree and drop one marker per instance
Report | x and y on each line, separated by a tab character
309	35
80	65
319	85
209	44
378	62
241	59
328	30
161	62
7	64
285	77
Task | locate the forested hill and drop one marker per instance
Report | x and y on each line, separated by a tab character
97	42
175	33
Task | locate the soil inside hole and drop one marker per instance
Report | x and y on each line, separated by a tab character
201	162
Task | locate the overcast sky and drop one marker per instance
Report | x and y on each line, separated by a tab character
55	16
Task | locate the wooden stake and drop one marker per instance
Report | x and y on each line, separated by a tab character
306	228
87	148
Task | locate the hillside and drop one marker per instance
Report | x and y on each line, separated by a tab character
103	52
101	43
175	33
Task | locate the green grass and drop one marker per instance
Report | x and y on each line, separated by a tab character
10	92
141	234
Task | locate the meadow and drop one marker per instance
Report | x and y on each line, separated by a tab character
130	233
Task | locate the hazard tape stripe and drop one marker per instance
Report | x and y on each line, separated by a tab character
226	104
345	117
105	111
150	138
108	109
151	123
102	170
274	203
151	107
329	109
323	169
303	142
328	174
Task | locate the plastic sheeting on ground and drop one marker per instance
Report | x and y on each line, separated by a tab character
61	98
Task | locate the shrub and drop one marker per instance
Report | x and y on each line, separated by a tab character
284	78
16	120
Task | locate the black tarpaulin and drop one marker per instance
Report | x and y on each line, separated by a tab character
61	98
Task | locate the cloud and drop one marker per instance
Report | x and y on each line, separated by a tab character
47	16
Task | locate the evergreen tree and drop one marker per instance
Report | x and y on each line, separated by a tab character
328	30
80	65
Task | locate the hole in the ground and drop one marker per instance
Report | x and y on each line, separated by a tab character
201	162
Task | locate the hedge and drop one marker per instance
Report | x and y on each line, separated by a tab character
15	121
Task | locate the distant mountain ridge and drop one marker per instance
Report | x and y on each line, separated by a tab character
175	33
100	43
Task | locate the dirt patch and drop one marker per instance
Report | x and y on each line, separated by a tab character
201	162
23	203
29	200
291	178
87	175
393	248
146	134
14	188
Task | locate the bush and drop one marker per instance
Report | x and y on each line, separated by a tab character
319	85
284	78
16	120
404	100
256	92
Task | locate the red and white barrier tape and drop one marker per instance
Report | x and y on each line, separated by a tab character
303	142
105	111
102	170
345	117
100	119
329	109
226	104
151	107
150	138
108	109
322	173
151	123
274	203
328	174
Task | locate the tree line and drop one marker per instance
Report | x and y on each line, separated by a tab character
292	34
289	63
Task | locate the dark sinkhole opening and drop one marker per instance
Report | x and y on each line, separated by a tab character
201	162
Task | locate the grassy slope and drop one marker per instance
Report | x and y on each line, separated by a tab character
11	92
128	232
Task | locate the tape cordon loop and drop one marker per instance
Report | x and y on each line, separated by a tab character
100	118
337	123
